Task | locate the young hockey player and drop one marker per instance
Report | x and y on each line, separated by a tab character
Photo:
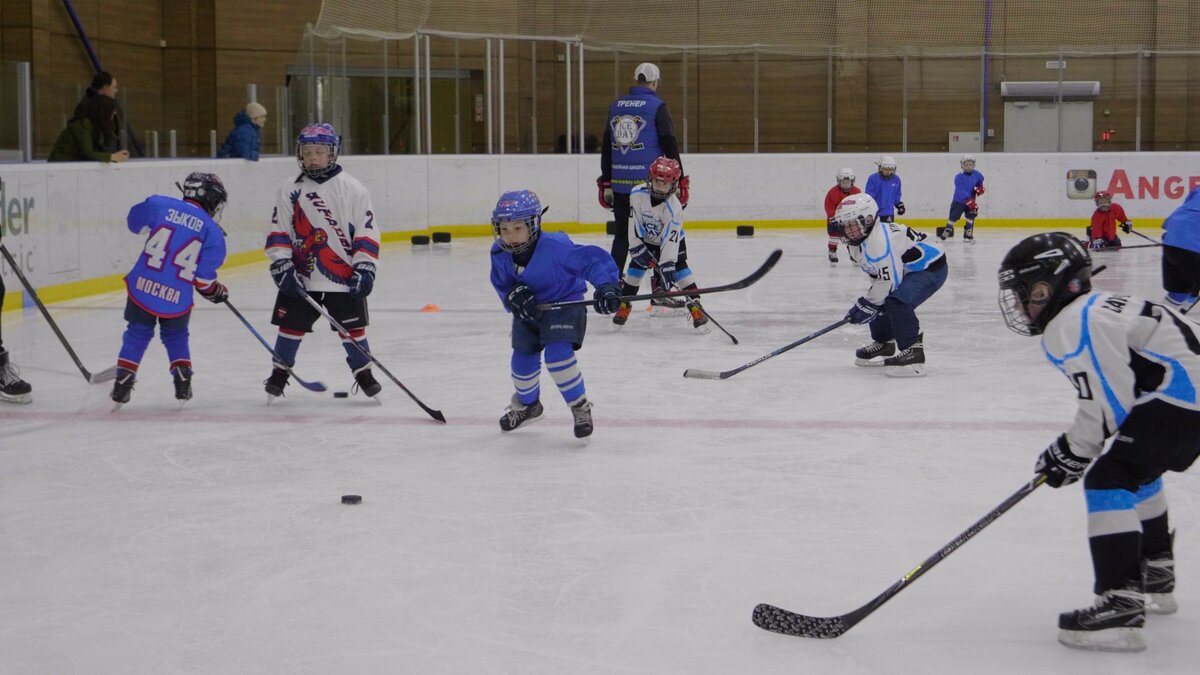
1102	231
967	186
1135	370
323	242
843	188
1181	253
884	188
656	232
905	270
184	250
530	267
12	388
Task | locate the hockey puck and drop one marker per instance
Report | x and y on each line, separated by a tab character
341	394
441	237
745	230
420	240
351	499
610	227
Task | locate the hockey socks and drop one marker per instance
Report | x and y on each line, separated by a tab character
133	345
560	361
526	373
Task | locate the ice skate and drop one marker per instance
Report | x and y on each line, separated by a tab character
1113	624
183	384
365	381
907	362
946	232
833	256
1158	576
622	314
274	384
583	418
969	234
873	354
518	414
699	318
12	388
122	388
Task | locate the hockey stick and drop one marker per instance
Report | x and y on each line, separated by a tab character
1150	239
777	620
435	414
93	378
725	375
736	285
311	386
662	281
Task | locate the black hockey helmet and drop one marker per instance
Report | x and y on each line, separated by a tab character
1039	276
207	190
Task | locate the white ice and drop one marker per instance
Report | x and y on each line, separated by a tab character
212	539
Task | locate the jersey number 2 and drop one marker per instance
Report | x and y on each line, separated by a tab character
186	259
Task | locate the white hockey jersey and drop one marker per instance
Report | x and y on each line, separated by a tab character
889	252
1119	351
325	228
660	225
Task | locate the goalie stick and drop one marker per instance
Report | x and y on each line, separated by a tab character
311	386
736	285
697	374
435	414
777	620
93	378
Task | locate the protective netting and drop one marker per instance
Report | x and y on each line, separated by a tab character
864	27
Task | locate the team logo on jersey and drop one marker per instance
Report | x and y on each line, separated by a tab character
625	132
311	250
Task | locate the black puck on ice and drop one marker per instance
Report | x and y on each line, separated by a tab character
351	499
441	237
341	394
420	240
745	230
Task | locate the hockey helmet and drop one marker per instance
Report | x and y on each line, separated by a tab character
518	206
321	134
886	163
207	191
1039	277
845	174
966	160
855	217
1103	200
665	170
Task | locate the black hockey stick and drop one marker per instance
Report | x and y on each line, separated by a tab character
725	375
658	274
93	378
278	363
1150	239
737	285
435	414
774	619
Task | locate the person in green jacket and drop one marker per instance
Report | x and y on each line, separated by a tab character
82	140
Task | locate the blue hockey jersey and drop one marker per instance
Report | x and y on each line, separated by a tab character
184	249
556	272
965	184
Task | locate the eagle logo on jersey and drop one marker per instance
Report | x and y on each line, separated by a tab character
625	132
311	251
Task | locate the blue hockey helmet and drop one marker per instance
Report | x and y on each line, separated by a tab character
518	206
318	134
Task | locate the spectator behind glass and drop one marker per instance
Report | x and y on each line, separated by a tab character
89	134
243	140
104	86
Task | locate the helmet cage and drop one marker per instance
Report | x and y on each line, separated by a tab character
1103	200
207	190
855	217
1046	272
522	206
318	134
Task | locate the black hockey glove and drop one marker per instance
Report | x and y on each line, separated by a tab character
1059	464
667	272
863	311
523	303
608	298
642	257
899	208
1127	227
284	274
362	280
216	292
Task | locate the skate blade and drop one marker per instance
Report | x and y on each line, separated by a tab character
524	424
1161	603
117	406
1108	640
703	330
876	362
915	370
19	399
181	403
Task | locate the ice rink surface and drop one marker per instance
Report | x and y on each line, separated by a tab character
212	539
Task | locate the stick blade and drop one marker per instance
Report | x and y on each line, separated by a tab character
437	415
697	374
105	375
779	620
311	386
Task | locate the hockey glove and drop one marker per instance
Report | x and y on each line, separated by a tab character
215	292
979	190
362	280
863	311
284	274
642	257
667	272
608	298
1097	244
971	205
685	184
605	197
1060	465
1127	227
523	303
899	208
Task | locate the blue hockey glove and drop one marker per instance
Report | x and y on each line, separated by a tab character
899	208
362	280
667	272
1060	465
215	292
608	298
284	274
863	311
523	303
642	257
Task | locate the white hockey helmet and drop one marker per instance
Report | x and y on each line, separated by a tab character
962	162
886	162
845	173
855	217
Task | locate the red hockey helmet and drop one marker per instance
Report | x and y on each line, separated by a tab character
1103	199
664	170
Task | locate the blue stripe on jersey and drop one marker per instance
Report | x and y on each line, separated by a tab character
1099	501
1180	387
365	245
888	253
928	255
278	240
1085	344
